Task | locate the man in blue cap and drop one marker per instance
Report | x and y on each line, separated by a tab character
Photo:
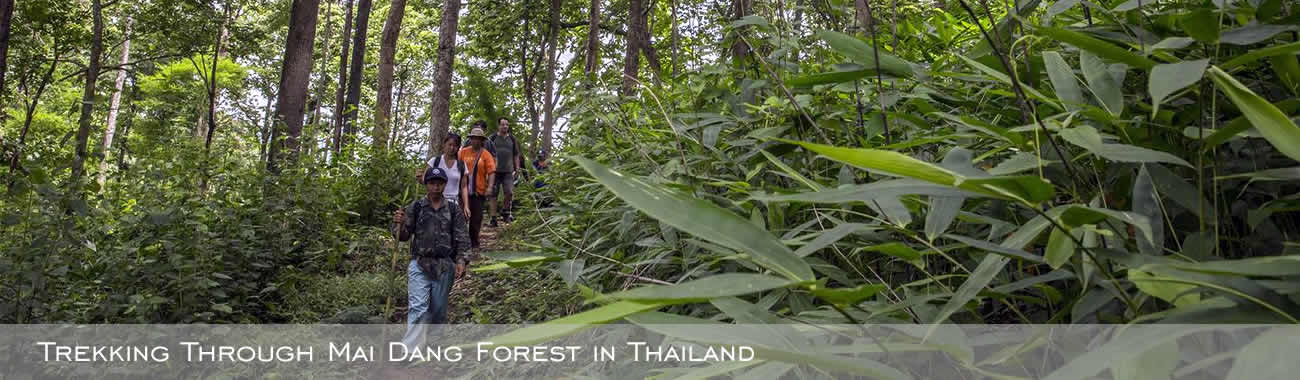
440	244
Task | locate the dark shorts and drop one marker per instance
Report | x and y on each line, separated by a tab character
504	182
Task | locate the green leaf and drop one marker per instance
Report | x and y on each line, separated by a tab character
1146	202
978	280
559	327
1270	356
705	220
1239	125
1276	266
1202	24
1253	34
895	249
1287	68
1105	81
829	237
1279	174
866	192
1018	163
1175	188
719	285
1129	343
1271	122
828	78
1098	47
1257	54
1172	292
864	54
849	296
1063	80
1027	189
1086	137
1155	364
1011	252
1169	78
1060	247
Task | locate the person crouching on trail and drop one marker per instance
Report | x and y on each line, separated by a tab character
481	168
441	244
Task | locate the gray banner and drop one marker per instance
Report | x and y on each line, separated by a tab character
662	351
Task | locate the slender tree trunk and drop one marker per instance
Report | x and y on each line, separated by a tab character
264	137
88	93
530	87
126	127
862	16
30	112
111	124
551	57
387	51
295	73
440	112
339	101
397	110
675	37
6	15
355	74
203	125
593	42
318	90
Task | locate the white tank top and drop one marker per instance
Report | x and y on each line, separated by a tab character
452	190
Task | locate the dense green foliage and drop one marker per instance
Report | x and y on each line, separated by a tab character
1124	162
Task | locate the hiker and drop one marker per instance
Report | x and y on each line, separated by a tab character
539	165
450	163
440	242
505	150
481	165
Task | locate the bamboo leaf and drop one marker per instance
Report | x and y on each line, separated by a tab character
1063	80
978	280
1105	81
1271	122
1060	247
1169	78
1098	47
1270	356
864	54
567	325
704	220
719	285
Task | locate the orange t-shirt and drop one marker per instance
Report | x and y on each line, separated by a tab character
484	169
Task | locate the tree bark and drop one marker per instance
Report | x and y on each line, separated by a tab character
318	90
339	100
387	53
88	93
111	125
440	112
593	42
551	57
530	85
6	15
740	9
201	129
632	56
295	73
355	74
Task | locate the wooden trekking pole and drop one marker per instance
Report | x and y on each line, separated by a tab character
397	231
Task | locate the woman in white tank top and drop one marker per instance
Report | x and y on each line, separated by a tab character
456	190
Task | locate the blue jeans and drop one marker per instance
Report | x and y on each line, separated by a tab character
428	303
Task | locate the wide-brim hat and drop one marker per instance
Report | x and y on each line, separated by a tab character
477	132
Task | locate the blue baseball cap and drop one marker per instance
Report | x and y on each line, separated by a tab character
434	173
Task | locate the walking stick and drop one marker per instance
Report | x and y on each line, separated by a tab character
397	230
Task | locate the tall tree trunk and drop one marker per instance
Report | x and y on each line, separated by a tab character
126	126
6	15
295	73
339	100
593	42
318	90
111	125
675	36
551	57
387	53
397	109
632	56
355	74
740	9
530	85
440	112
88	93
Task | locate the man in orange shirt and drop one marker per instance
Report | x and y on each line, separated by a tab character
482	167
